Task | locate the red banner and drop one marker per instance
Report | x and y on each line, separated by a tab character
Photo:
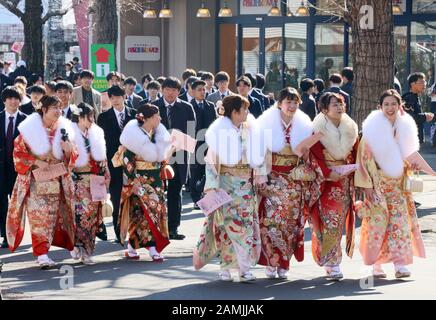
81	15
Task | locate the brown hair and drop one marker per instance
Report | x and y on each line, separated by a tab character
47	102
289	93
145	111
234	102
326	98
391	93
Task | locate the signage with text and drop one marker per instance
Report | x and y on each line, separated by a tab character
142	48
102	62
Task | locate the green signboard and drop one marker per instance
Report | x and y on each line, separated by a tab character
102	62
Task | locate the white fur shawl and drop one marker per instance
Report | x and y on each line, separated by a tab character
338	141
96	141
36	136
225	143
137	141
270	124
390	152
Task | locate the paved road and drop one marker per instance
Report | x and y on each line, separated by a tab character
175	278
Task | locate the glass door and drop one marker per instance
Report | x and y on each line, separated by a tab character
250	50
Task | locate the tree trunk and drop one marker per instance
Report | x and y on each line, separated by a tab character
32	22
106	23
55	43
373	56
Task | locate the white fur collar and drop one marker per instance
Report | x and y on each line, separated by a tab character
270	123
390	152
36	136
338	141
97	142
137	141
225	143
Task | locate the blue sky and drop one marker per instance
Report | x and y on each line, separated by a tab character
6	17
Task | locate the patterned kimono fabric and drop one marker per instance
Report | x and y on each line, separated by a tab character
390	230
334	208
91	161
50	212
281	214
144	216
232	231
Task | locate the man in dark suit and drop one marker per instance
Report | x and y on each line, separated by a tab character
153	92
64	91
412	102
112	122
209	79
146	79
347	81
308	104
180	115
188	95
132	99
258	94
243	84
205	114
185	76
36	93
10	118
4	82
260	85
335	87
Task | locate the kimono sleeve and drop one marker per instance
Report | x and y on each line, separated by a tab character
129	167
362	177
23	159
212	172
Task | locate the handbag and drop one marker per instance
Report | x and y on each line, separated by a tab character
166	172
302	172
413	183
107	207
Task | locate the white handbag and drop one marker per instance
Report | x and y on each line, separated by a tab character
413	183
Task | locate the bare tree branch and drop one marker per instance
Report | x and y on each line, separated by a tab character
12	6
56	13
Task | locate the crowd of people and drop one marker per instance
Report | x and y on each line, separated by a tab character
64	146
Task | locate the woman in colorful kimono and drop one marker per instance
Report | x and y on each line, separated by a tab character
143	213
235	165
281	211
46	142
91	146
334	207
390	231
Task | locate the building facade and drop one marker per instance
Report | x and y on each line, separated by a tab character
287	48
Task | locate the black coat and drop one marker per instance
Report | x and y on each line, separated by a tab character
255	106
109	123
27	108
204	116
7	181
309	105
264	99
183	118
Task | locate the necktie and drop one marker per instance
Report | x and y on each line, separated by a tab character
169	114
130	102
10	138
200	105
121	122
223	96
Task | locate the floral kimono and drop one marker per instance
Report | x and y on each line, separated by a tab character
232	231
144	215
91	161
334	207
390	230
49	205
281	213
